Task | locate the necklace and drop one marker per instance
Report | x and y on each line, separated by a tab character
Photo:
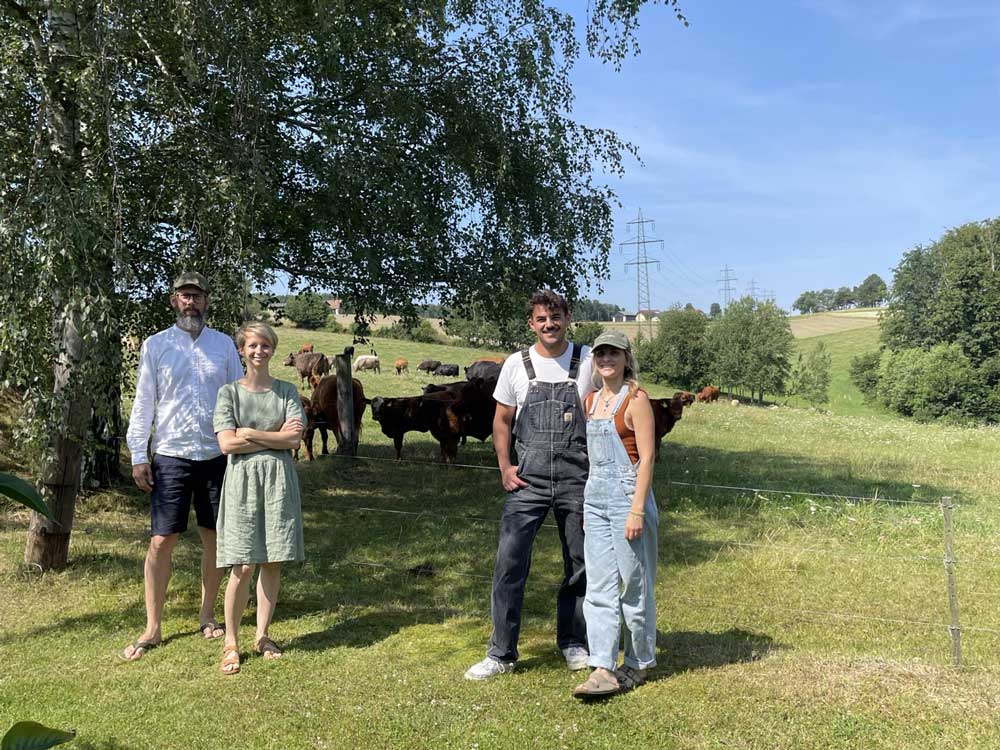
607	400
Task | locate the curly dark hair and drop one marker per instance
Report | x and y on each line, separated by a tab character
549	300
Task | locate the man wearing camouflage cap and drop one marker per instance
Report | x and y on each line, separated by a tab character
180	372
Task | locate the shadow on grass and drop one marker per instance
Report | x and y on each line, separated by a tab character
368	629
684	651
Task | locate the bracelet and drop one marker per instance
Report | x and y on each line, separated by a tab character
636	513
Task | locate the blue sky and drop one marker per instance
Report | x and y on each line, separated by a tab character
805	144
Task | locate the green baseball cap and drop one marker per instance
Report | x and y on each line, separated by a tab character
617	339
191	278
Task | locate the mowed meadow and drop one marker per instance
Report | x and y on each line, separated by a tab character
801	594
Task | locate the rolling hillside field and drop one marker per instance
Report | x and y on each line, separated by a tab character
801	599
803	326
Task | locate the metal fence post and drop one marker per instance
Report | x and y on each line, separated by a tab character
949	568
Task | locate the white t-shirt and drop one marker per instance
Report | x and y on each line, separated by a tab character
512	386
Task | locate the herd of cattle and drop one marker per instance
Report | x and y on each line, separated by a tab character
450	412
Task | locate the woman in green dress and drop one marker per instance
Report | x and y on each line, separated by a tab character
258	421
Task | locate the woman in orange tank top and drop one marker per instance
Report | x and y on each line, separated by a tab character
620	523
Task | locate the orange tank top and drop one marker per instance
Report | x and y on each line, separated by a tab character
627	436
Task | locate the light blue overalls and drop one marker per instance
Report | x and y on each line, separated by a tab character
620	573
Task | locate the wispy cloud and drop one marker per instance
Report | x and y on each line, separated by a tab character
880	20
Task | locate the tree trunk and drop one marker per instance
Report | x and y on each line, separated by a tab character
48	541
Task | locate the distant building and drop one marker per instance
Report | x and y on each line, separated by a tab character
644	316
623	317
335	306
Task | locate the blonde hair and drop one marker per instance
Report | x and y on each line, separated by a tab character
631	373
255	327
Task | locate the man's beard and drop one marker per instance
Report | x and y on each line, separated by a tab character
190	323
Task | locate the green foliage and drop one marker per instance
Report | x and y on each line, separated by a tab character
20	491
308	310
810	376
864	373
592	309
749	347
30	735
414	330
871	292
927	384
948	292
585	332
715	310
507	334
677	354
333	326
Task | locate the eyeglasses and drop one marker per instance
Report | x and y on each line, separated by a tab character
191	296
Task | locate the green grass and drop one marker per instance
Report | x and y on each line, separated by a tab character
845	398
777	611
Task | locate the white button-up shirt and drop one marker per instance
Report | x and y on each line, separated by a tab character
175	392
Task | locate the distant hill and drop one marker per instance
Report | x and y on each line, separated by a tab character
823	324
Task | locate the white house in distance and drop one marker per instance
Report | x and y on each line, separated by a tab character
335	306
643	316
623	317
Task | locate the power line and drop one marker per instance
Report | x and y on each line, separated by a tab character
642	263
727	280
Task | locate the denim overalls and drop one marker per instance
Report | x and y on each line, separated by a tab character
620	573
550	438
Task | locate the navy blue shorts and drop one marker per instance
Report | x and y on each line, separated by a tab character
176	481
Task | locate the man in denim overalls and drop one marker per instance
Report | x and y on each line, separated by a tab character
544	388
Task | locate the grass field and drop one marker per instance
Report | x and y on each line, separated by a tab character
785	620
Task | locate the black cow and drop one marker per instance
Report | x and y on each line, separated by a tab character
484	370
447	371
429	365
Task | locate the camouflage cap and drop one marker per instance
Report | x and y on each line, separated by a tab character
617	339
191	278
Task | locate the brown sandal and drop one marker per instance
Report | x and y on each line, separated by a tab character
267	648
230	660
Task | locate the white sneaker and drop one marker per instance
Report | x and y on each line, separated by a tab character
488	667
576	657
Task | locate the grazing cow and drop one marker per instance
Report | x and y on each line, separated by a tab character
707	394
686	397
325	403
497	360
305	348
483	369
367	362
314	420
401	365
666	413
429	365
308	363
446	371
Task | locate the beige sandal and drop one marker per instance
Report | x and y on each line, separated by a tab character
230	660
597	685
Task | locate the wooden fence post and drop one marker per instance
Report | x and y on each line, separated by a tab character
949	567
348	446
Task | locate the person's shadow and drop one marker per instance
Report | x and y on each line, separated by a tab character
682	651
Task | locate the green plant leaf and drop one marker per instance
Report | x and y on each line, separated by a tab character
22	492
30	735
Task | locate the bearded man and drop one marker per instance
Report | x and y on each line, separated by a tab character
175	454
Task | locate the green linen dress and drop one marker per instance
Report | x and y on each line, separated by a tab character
260	512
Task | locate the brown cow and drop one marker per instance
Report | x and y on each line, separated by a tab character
497	360
686	397
401	365
314	420
666	413
707	394
325	403
309	363
305	348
